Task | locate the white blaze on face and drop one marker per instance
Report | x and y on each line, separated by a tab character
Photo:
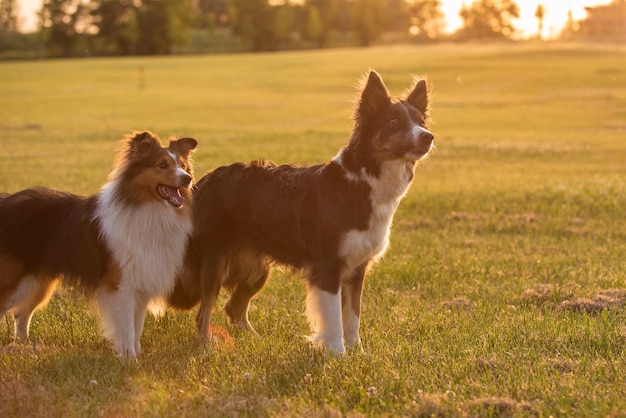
423	145
416	131
180	171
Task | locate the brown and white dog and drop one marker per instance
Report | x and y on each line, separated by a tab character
330	220
124	246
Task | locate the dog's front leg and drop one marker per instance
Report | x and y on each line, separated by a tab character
323	311
117	309
351	290
212	274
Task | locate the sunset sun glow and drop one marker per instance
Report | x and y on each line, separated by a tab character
555	15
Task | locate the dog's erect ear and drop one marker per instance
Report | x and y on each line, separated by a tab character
183	146
374	95
419	96
142	142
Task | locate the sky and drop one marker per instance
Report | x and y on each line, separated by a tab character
554	20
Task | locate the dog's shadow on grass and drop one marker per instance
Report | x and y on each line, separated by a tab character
173	367
40	380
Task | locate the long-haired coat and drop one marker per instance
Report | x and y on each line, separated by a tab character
124	245
332	221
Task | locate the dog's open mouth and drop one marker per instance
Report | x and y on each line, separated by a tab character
171	195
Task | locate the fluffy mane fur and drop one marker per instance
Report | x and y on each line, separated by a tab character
123	246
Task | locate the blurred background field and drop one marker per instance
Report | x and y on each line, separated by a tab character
504	287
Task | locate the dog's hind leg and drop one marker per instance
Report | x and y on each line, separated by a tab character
213	273
248	274
31	293
11	274
351	290
38	293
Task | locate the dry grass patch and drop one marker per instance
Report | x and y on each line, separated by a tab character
499	221
499	407
611	298
487	364
432	405
466	216
564	299
541	294
14	394
457	304
561	365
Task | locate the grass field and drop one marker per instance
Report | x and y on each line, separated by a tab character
503	292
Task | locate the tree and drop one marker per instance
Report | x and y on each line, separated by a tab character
540	12
368	21
162	25
8	16
328	11
63	22
117	25
489	19
10	38
284	18
570	29
253	21
396	15
426	18
213	13
313	24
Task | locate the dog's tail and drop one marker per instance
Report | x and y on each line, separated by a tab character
186	292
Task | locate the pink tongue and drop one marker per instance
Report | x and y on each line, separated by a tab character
174	196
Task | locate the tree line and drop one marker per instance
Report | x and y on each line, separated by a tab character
143	27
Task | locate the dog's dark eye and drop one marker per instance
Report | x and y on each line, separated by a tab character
420	121
162	166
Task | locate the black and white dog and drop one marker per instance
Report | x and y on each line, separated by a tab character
332	220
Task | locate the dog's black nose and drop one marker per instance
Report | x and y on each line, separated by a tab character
426	136
185	180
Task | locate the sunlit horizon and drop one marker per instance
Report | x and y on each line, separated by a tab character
556	15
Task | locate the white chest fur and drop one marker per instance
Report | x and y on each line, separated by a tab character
359	246
148	241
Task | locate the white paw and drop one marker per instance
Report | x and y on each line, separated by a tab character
334	345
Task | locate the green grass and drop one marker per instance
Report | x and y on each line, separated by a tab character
502	293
